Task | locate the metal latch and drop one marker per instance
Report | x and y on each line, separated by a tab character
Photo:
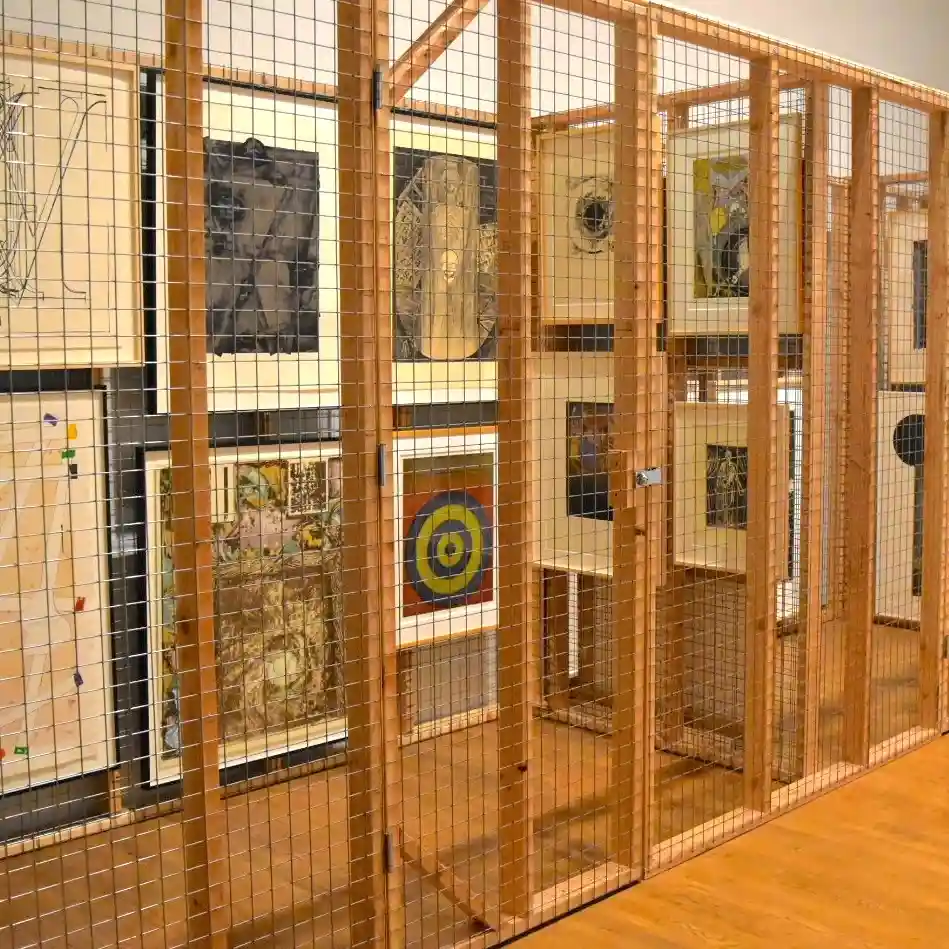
648	477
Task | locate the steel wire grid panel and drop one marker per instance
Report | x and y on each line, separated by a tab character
437	494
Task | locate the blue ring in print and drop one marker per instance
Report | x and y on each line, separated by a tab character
448	549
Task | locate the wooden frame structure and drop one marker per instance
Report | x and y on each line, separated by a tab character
376	847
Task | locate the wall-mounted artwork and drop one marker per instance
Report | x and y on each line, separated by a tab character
444	250
446	493
726	486
901	421
263	222
710	472
576	234
573	431
277	569
70	271
907	289
707	217
589	441
55	681
272	293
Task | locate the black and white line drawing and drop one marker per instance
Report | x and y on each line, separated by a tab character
41	126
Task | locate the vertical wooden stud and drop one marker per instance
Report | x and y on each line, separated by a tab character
861	473
839	388
517	646
763	500
638	432
203	820
374	780
935	548
815	384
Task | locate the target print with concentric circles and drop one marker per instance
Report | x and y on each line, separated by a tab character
448	549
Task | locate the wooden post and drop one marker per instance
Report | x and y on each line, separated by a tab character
638	435
861	473
763	500
815	382
517	646
839	372
203	825
935	548
374	780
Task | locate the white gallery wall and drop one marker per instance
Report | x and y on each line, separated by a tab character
572	54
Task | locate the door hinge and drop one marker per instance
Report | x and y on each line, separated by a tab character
381	473
945	647
377	88
388	850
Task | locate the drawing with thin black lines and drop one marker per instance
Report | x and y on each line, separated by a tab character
33	182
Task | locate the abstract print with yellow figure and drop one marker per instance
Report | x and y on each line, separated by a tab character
448	531
277	563
720	192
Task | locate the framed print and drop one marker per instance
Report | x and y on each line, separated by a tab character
55	660
271	207
574	432
901	421
277	570
444	250
445	498
907	271
70	271
707	217
710	486
576	224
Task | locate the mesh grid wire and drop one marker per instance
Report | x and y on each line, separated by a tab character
433	492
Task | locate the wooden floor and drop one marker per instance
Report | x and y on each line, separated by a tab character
287	845
865	866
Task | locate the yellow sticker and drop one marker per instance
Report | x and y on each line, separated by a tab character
72	432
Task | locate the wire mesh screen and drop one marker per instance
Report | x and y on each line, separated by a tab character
453	465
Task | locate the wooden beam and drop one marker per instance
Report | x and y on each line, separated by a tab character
374	779
638	435
935	547
763	489
517	645
839	387
203	824
807	65
672	103
456	890
816	207
418	58
612	11
205	832
861	475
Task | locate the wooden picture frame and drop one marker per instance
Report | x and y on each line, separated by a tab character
415	143
576	220
276	517
56	699
710	520
581	541
704	313
907	251
72	275
900	529
433	472
288	367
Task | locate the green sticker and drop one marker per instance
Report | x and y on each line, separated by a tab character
69	453
21	750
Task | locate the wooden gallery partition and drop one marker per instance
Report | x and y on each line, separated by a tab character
685	447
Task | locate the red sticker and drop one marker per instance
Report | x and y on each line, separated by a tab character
3	753
80	604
